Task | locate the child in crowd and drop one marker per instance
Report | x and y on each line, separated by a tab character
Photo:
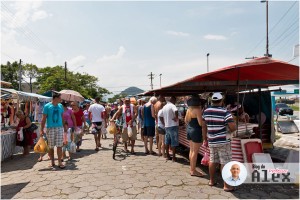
68	138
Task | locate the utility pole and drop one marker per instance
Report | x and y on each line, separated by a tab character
267	24
160	80
151	78
20	74
66	71
207	61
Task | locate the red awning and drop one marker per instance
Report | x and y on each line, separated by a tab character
258	73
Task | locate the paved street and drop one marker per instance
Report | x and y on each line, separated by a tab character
95	175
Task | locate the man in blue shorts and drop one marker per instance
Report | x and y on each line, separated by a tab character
171	123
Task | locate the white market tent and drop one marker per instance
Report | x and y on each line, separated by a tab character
25	96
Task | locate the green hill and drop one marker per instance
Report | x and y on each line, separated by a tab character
132	91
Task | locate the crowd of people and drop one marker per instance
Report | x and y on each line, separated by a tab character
158	118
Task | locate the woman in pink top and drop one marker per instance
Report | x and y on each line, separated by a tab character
80	120
69	117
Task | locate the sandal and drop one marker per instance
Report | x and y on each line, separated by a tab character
197	174
61	166
40	160
212	184
229	190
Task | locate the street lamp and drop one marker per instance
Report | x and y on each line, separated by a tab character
267	24
207	61
160	80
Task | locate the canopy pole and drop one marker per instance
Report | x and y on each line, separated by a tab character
238	101
259	113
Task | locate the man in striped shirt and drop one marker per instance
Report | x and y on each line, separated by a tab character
215	120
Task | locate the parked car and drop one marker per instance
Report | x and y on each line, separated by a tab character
283	109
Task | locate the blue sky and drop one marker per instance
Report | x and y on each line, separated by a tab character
122	42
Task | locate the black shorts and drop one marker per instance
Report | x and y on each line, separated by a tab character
97	126
161	131
149	131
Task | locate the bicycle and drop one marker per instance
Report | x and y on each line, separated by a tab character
117	137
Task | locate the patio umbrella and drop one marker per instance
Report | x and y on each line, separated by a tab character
71	95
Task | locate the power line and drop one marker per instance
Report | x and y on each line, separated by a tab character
274	42
8	56
287	35
29	33
283	16
260	42
282	48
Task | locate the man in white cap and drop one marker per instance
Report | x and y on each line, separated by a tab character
215	120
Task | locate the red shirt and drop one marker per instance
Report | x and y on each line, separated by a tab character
78	116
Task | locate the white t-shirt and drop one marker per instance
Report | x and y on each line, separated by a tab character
160	114
169	114
96	110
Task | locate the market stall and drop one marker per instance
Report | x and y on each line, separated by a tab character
243	83
8	130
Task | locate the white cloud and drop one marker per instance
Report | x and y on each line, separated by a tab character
41	14
215	37
113	57
76	60
181	34
18	13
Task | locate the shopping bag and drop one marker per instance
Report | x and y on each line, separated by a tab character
129	131
72	147
20	136
112	129
205	159
41	146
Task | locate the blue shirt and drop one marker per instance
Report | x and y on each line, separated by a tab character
233	182
148	119
54	115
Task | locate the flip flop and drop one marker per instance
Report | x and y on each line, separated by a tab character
212	184
198	174
229	190
40	160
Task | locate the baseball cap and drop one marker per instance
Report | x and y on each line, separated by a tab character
216	96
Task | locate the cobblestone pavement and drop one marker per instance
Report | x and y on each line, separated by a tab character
95	175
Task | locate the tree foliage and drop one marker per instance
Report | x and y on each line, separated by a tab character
9	73
53	78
